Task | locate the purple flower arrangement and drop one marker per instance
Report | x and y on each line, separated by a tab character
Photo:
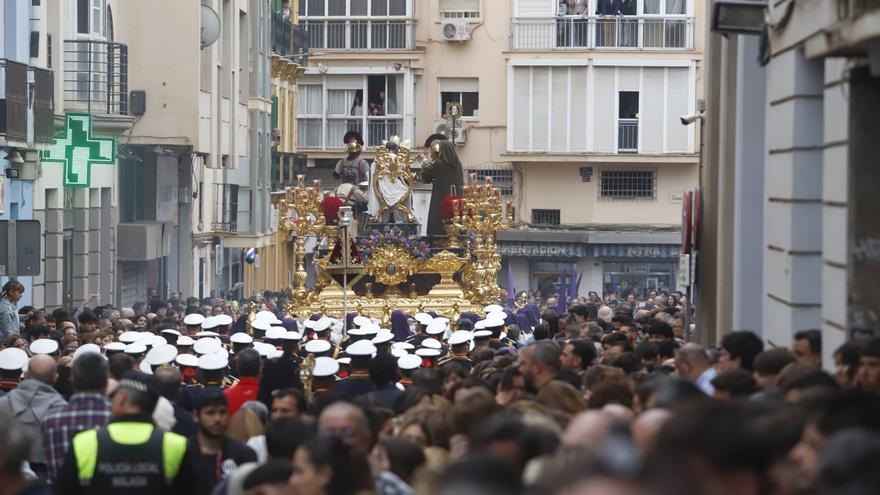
393	236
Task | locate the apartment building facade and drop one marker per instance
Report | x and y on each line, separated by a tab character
575	117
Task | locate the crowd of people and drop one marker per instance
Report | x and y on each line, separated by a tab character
213	397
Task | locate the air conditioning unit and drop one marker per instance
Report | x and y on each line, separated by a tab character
455	30
443	127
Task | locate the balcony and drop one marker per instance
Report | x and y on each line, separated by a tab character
289	40
379	128
96	76
24	87
628	135
576	33
363	33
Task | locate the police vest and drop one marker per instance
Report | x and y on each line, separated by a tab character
134	457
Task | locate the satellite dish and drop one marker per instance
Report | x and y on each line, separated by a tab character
210	26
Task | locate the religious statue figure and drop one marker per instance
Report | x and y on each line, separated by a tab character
391	181
447	177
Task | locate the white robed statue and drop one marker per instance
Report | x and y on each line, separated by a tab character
391	181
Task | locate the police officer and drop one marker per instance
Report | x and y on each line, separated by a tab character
130	454
460	342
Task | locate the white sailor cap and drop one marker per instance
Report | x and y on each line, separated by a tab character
185	341
145	367
482	334
261	325
269	316
426	352
384	336
86	349
206	333
323	324
223	320
409	362
406	346
209	323
480	325
44	346
430	343
135	348
214	361
442	318
317	346
494	320
460	337
344	360
187	360
154	340
129	337
358	332
371	329
275	333
193	319
114	347
241	338
437	327
361	320
171	331
292	336
310	324
493	308
161	354
398	352
325	367
207	345
423	318
361	348
275	353
13	359
263	348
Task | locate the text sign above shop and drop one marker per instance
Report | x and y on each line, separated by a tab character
636	251
543	250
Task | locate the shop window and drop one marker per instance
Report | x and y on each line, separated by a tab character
502	179
626	184
545	217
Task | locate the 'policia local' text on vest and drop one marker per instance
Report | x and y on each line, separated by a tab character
135	457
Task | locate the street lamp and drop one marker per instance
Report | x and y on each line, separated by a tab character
345	218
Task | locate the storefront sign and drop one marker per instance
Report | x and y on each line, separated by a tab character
636	251
76	148
543	250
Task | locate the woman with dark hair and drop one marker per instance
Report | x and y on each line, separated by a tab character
399	325
551	319
9	297
325	466
399	457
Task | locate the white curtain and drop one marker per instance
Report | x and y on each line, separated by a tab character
652	6
394	95
675	7
310	99
340	101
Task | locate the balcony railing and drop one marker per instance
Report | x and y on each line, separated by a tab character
18	94
231	227
96	76
289	40
314	133
603	33
628	135
369	33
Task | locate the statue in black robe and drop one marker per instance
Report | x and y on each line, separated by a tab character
447	177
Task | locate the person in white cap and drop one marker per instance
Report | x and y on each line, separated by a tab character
459	346
192	323
44	346
324	376
322	332
12	363
211	375
408	364
358	382
422	322
494	322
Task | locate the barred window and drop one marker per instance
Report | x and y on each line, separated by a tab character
545	217
502	179
623	184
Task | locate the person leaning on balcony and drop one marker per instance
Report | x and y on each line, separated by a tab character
608	7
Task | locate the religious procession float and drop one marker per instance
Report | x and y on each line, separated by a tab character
368	253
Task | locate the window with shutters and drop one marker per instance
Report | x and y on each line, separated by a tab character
549	109
460	9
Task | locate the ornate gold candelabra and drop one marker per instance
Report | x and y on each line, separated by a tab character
300	213
480	212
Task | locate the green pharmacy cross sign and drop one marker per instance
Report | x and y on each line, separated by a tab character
77	149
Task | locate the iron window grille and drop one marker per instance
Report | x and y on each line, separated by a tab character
545	217
502	179
627	184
